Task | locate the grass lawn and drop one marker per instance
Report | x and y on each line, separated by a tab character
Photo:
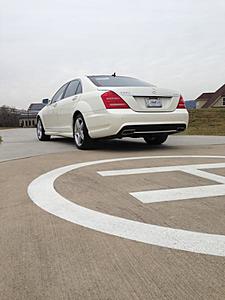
206	122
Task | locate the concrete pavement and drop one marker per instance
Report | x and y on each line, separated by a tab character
22	142
43	256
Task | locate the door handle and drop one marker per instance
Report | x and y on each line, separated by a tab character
54	105
74	98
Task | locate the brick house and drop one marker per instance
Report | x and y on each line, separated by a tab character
216	99
28	118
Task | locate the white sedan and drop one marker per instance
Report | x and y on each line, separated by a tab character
103	106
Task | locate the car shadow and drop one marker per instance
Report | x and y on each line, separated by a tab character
127	145
63	140
117	145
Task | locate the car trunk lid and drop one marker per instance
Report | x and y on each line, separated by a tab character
147	99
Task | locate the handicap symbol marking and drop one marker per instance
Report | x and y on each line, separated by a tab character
173	194
42	193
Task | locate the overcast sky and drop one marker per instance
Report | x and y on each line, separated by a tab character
178	44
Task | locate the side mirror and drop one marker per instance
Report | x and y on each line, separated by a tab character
45	101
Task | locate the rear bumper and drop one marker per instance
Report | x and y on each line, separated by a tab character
141	130
126	122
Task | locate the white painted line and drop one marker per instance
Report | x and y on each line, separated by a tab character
173	194
206	175
160	169
196	192
42	192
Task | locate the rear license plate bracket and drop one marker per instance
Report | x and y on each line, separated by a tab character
153	103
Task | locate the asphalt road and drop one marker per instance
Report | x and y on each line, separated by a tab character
105	243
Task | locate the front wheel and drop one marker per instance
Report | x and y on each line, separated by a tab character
41	132
81	136
155	139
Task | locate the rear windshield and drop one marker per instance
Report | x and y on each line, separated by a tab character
114	81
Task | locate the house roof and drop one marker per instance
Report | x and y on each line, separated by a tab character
204	96
36	107
215	96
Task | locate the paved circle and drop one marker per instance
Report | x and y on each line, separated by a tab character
43	194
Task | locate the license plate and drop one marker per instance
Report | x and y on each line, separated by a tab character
153	102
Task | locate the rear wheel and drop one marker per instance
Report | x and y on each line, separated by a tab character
41	132
155	139
81	136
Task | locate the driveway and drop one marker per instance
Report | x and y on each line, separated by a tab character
123	221
22	142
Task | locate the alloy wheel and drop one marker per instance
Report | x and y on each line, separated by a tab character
39	129
79	131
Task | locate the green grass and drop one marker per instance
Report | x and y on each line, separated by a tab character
206	122
0	139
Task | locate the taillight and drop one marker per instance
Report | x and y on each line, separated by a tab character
181	103
112	100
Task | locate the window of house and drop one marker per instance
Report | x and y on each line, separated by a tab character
223	102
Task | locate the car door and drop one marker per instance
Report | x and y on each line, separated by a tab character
66	106
51	112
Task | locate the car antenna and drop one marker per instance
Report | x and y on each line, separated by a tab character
114	74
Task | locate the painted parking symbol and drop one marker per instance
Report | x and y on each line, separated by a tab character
43	193
197	192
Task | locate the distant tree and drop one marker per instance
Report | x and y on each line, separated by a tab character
9	116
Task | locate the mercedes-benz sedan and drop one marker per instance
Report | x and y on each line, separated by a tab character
110	106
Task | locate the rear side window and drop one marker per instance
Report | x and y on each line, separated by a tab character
79	89
58	95
72	88
116	81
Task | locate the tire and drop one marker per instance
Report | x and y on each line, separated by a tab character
81	137
41	132
155	139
